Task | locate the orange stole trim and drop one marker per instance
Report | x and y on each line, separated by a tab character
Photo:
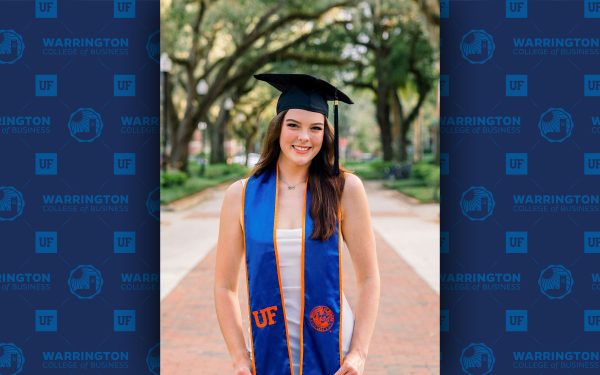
287	337
341	283
247	280
302	281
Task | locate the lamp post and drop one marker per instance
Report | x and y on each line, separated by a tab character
202	127
165	67
202	89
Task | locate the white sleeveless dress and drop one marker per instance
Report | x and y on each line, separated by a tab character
289	246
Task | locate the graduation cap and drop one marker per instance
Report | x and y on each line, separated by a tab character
303	91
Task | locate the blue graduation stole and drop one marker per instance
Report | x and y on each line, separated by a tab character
320	317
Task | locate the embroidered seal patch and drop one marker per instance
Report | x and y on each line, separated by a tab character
321	318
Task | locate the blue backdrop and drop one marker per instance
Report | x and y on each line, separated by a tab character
79	230
520	228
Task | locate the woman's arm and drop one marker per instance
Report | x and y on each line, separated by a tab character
230	253
358	235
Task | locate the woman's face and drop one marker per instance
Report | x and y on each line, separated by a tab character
302	134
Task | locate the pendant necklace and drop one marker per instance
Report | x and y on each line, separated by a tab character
291	187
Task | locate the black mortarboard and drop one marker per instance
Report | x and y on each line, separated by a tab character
303	91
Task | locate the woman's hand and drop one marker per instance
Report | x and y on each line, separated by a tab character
242	370
354	364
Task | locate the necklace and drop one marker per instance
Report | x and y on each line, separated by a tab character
291	187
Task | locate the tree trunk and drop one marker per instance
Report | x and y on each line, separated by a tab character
383	119
383	106
217	136
417	140
180	143
250	139
172	119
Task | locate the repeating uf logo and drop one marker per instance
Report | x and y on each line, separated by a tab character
11	46
85	281
153	359
124	9
444	85
591	166
591	85
591	320
477	46
477	203
153	46
516	85
555	281
85	125
153	203
556	125
591	242
591	9
11	203
516	163
516	8
46	8
11	359
477	358
444	8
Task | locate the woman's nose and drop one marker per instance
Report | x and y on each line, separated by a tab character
303	135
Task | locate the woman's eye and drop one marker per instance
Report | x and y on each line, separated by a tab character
317	128
292	125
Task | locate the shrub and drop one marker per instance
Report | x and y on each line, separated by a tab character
173	178
224	170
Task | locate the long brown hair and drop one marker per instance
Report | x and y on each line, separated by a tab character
325	188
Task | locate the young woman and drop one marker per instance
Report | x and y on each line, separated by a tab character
288	221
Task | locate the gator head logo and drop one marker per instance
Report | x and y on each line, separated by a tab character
153	359
153	203
85	281
477	46
477	359
11	359
11	46
85	125
556	125
153	46
555	282
11	203
477	203
321	318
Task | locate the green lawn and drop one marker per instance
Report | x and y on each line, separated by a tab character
416	189
421	184
176	185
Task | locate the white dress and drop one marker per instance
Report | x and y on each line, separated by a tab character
289	246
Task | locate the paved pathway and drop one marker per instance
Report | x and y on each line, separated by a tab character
406	338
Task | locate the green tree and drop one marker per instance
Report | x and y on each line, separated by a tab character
218	45
391	53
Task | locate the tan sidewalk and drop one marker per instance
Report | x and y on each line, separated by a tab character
406	339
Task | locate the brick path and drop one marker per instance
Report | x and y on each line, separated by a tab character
405	342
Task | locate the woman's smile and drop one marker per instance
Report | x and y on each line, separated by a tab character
301	149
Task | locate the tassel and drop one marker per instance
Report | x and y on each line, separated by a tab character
336	141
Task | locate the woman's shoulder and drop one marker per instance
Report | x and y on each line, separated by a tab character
354	196
353	185
234	191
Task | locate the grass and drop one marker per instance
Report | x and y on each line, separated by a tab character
194	182
423	183
415	188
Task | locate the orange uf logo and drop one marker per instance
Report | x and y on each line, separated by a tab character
321	318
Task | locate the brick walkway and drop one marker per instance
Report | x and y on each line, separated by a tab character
405	342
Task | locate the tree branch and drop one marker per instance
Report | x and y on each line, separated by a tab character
362	85
429	10
314	59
